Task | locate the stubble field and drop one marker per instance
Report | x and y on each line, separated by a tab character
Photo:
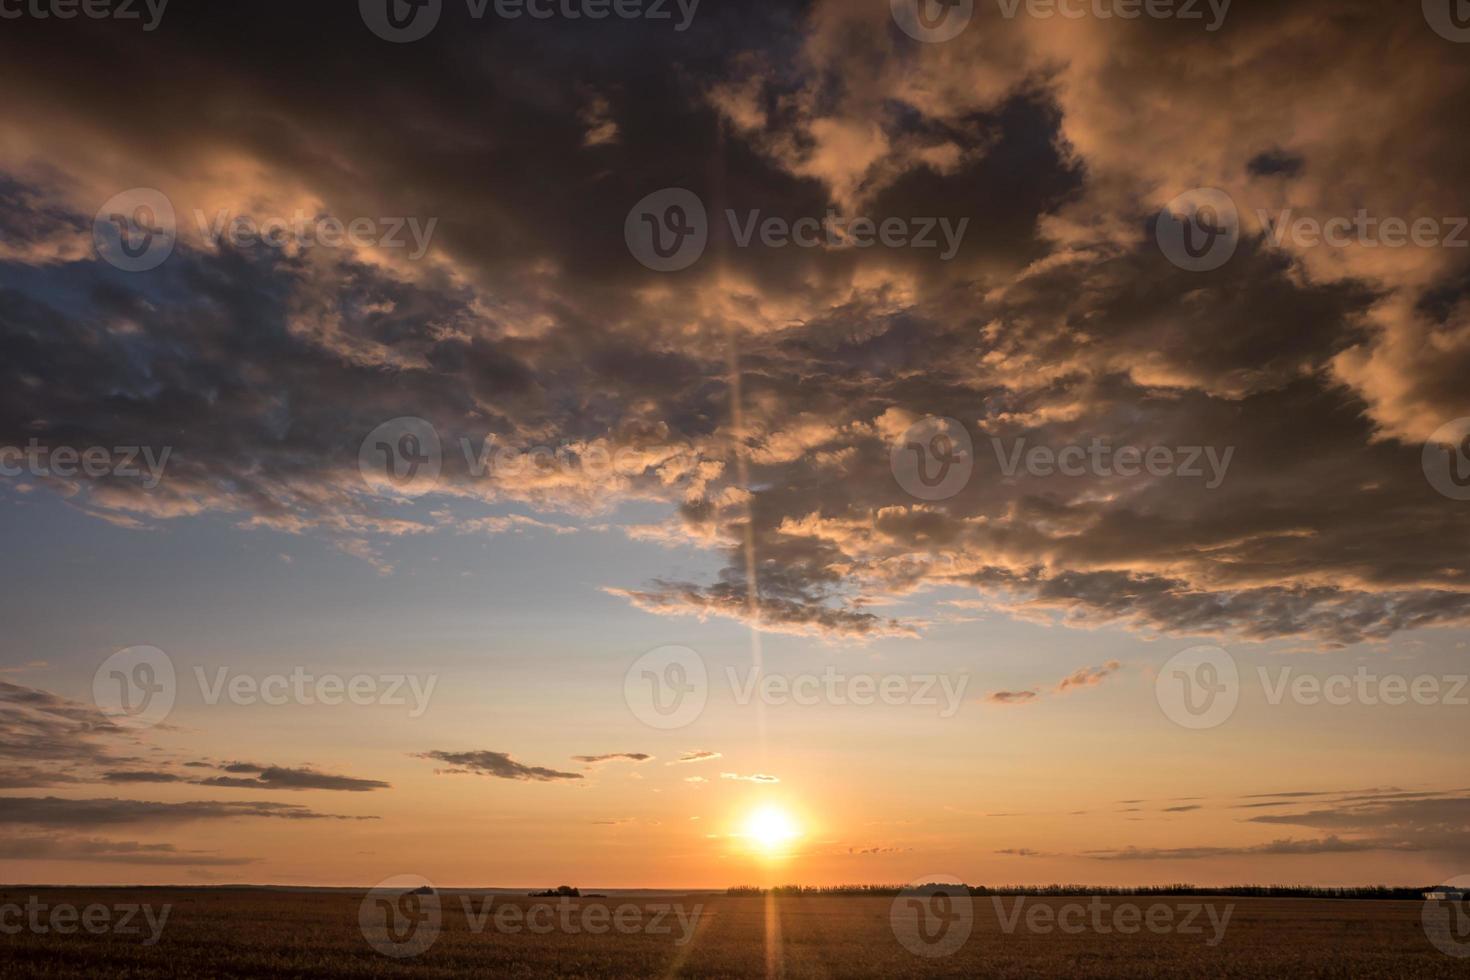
262	933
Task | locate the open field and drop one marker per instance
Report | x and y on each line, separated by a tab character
260	933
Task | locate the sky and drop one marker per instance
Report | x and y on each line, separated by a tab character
715	444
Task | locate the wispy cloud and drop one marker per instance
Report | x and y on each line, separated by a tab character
497	764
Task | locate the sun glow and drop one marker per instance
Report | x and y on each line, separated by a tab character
771	830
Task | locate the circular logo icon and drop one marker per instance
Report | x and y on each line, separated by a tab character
135	688
667	687
933	459
400	916
402	456
135	230
1446	459
1450	19
933	916
401	21
667	230
1198	687
1446	917
932	21
1199	230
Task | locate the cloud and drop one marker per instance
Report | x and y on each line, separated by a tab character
1080	678
1088	676
51	811
92	850
758	777
498	764
698	755
806	615
593	760
756	401
139	776
1350	821
33	777
1430	821
1284	846
1011	697
37	726
281	777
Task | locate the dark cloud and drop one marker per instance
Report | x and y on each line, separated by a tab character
1285	846
48	740
1275	163
761	391
92	850
32	777
498	764
1011	697
51	811
613	757
138	776
282	777
1438	822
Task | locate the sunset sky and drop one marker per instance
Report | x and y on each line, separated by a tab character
766	403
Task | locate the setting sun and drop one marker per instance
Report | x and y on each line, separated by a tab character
771	829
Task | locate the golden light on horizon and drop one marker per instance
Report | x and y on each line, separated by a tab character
771	830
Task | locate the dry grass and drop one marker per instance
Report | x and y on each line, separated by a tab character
218	933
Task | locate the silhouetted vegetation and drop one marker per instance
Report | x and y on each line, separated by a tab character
1062	891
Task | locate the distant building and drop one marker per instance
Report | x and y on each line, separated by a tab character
1445	894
